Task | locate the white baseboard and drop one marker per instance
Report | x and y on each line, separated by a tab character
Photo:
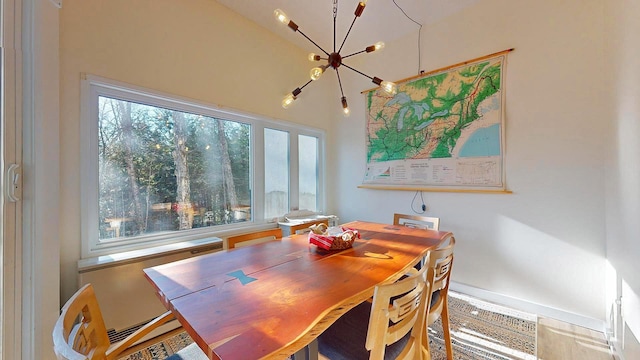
523	305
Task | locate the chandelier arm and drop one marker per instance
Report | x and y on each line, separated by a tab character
355	53
339	82
348	31
359	72
307	83
313	42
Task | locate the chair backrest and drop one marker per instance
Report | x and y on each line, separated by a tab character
398	309
439	272
253	238
304	227
415	221
80	333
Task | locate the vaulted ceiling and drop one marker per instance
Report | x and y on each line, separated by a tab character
382	20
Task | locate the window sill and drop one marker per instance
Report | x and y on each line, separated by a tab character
126	257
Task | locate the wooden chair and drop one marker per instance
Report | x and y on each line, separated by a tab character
253	238
80	332
439	267
301	227
395	327
415	221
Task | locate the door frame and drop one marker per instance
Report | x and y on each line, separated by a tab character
30	130
10	153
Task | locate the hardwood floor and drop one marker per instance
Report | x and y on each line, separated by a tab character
559	340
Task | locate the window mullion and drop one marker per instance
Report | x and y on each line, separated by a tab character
322	199
294	176
257	176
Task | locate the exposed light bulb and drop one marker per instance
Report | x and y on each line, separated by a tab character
363	2
314	57
281	16
389	87
345	106
288	100
316	72
377	46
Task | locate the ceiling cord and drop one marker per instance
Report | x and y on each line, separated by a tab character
419	35
423	207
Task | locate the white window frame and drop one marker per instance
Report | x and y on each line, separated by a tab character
94	86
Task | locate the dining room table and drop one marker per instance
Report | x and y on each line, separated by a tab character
271	300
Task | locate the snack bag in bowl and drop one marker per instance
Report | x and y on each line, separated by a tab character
333	238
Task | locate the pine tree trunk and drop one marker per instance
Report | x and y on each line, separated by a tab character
231	198
183	195
126	123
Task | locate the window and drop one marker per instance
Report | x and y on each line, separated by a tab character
161	169
308	172
276	173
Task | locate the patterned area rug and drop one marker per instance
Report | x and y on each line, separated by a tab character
162	349
479	330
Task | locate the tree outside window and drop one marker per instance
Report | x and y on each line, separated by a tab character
166	170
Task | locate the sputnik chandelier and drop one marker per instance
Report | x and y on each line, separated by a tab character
334	59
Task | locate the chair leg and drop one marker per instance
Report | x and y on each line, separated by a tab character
426	351
426	355
446	329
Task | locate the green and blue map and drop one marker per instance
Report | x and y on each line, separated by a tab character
442	129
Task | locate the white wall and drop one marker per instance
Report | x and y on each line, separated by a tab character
545	242
197	49
623	164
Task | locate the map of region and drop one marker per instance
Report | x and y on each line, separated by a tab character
443	128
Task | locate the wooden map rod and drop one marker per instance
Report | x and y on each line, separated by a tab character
428	189
448	67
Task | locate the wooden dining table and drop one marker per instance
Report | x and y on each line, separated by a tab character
270	300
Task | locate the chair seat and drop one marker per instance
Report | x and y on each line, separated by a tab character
191	352
345	339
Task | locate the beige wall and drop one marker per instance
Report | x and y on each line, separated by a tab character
545	242
196	49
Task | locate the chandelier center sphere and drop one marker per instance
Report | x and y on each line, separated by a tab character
335	60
